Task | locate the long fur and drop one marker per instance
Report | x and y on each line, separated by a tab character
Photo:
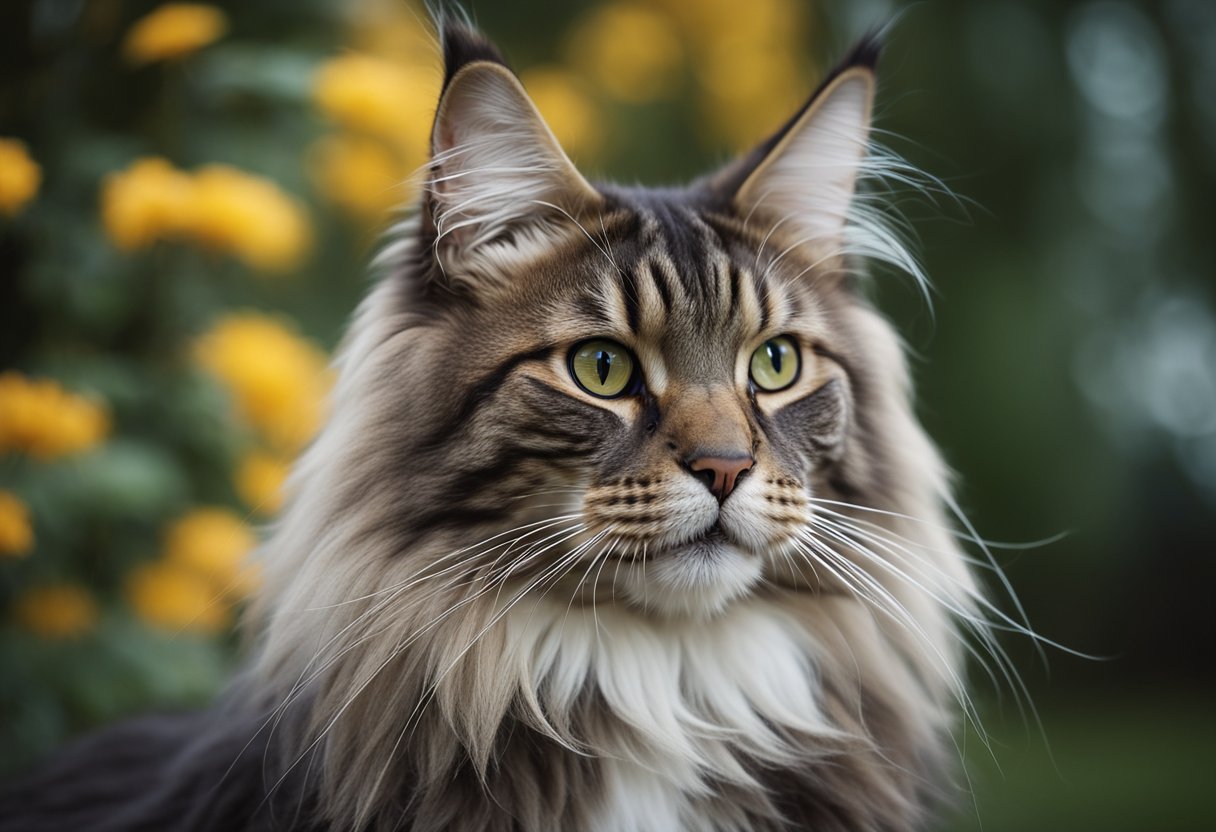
493	602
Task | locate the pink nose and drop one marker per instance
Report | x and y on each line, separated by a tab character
720	473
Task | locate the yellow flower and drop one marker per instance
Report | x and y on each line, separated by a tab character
149	201
259	481
214	543
173	30
16	532
174	598
56	611
567	108
20	177
387	99
278	380
632	51
42	419
360	174
220	207
250	217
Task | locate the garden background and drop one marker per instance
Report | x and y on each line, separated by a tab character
189	196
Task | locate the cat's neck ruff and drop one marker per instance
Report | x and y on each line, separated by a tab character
681	695
695	707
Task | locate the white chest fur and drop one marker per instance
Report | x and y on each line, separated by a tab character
682	700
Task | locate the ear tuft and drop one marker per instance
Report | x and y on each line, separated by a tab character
463	45
865	52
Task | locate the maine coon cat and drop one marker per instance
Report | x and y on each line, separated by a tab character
621	521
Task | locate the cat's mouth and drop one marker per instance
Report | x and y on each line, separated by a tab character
711	542
697	576
712	538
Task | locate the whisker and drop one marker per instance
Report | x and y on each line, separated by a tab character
969	537
979	626
881	600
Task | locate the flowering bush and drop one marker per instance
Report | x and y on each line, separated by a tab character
143	421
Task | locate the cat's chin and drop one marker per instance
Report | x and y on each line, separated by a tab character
698	578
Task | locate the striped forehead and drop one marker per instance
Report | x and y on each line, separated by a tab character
680	283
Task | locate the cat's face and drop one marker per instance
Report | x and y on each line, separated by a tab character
673	372
677	383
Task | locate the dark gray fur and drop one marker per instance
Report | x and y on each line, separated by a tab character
207	770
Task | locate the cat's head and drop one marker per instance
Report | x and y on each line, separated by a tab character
680	369
559	381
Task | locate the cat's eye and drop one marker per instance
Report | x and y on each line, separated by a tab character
774	364
603	368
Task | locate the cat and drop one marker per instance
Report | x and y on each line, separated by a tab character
621	520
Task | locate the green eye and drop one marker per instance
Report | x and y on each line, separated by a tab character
774	364
601	367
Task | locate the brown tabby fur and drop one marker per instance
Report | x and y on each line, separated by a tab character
497	602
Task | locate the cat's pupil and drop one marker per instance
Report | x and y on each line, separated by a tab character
603	363
774	356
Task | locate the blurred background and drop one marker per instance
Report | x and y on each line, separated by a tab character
189	195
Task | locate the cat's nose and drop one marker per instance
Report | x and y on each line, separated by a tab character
720	473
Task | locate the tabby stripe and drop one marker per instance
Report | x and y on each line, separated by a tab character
485	389
586	410
844	363
721	282
683	257
629	290
764	300
715	256
592	307
660	283
733	306
473	483
843	488
557	434
455	517
508	459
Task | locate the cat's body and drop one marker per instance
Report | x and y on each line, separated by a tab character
622	521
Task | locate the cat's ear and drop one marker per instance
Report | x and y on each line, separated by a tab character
805	174
495	165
